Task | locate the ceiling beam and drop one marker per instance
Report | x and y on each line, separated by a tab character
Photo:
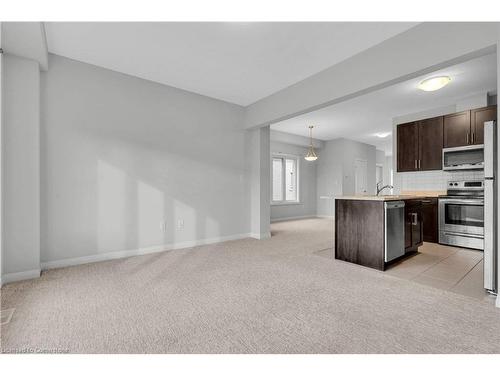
26	39
422	49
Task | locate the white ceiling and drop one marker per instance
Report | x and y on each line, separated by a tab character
363	117
236	62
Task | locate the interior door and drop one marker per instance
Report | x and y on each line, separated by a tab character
457	129
478	118
430	140
360	176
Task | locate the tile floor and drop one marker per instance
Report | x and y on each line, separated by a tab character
444	267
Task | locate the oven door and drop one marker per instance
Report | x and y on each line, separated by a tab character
464	216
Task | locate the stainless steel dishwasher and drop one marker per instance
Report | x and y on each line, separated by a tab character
394	229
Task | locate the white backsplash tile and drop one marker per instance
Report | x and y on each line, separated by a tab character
431	180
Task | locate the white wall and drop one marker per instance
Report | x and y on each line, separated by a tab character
307	184
353	150
472	101
293	139
21	168
388	170
335	171
258	181
121	156
329	171
380	156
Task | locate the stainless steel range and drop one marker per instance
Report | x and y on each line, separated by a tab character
461	214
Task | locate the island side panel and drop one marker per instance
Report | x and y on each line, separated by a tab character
359	232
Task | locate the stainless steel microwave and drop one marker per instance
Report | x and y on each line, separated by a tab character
463	158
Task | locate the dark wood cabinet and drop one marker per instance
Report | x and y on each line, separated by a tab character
413	225
456	129
478	118
407	140
359	232
421	222
430	219
467	128
420	145
430	144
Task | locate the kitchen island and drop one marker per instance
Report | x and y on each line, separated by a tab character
360	229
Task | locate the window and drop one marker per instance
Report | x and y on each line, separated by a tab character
285	179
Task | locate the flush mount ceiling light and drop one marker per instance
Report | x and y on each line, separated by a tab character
311	155
382	135
434	83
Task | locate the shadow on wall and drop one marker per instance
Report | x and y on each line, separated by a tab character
138	197
149	216
129	164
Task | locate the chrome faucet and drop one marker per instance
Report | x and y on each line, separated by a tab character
379	188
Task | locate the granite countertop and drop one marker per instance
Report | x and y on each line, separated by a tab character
389	197
377	198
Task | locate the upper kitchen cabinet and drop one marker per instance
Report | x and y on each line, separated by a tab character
457	129
467	128
407	139
430	141
420	145
478	118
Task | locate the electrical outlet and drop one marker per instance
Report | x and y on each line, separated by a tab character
180	224
163	226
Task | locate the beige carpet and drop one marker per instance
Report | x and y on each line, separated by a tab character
246	296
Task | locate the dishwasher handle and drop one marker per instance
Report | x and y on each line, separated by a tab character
393	205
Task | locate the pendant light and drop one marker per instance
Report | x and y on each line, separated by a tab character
311	155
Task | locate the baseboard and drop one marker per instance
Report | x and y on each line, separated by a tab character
276	220
20	276
260	236
325	216
141	251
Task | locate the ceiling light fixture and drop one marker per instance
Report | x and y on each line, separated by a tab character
382	135
434	83
311	155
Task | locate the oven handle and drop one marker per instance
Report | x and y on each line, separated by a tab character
478	236
471	202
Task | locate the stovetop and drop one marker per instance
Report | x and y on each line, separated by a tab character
465	189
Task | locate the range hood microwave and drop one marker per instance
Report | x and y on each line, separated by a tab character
463	158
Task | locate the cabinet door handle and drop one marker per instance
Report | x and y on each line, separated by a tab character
419	164
472	138
467	138
414	219
416	164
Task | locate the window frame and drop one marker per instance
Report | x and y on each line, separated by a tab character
283	158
